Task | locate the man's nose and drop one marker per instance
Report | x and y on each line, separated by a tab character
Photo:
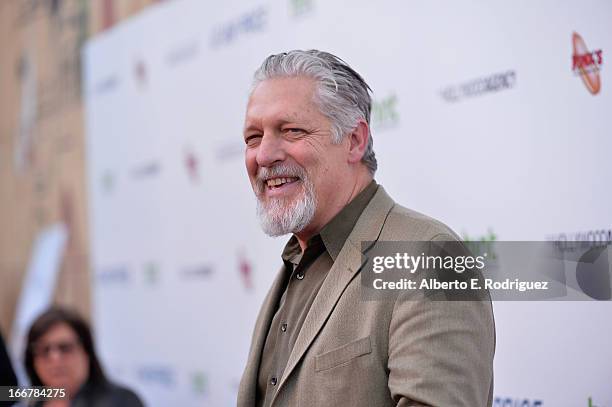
270	151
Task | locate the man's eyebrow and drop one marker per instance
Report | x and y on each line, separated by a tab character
294	118
279	122
250	128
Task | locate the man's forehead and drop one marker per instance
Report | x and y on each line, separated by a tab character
288	89
279	113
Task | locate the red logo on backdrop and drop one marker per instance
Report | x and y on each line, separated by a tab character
191	163
587	64
246	270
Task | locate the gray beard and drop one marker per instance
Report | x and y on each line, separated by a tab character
280	216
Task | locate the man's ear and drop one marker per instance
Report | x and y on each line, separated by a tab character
358	141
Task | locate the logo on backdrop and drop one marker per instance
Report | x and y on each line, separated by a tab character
587	64
250	22
592	271
490	236
115	275
516	402
107	180
590	401
300	8
483	244
140	74
106	84
246	270
192	166
595	235
151	273
162	376
146	170
480	86
384	113
199	383
200	271
183	53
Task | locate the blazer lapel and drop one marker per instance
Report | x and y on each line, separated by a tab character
346	266
248	384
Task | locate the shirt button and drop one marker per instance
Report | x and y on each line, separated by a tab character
284	327
273	381
300	276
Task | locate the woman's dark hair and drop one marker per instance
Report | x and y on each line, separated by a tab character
48	320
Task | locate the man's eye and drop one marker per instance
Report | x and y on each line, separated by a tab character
252	140
294	130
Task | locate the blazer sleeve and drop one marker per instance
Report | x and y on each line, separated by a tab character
441	351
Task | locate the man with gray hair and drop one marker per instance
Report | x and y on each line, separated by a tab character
310	159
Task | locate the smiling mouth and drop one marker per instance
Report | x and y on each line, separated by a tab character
278	182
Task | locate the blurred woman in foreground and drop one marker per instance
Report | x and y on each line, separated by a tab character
60	353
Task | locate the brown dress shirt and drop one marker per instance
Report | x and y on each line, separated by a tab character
304	275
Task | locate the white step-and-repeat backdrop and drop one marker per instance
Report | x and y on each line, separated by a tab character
513	97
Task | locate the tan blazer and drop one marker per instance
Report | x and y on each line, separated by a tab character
352	352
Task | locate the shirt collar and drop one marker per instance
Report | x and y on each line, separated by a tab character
337	230
335	233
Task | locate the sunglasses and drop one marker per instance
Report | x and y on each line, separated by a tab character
63	348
